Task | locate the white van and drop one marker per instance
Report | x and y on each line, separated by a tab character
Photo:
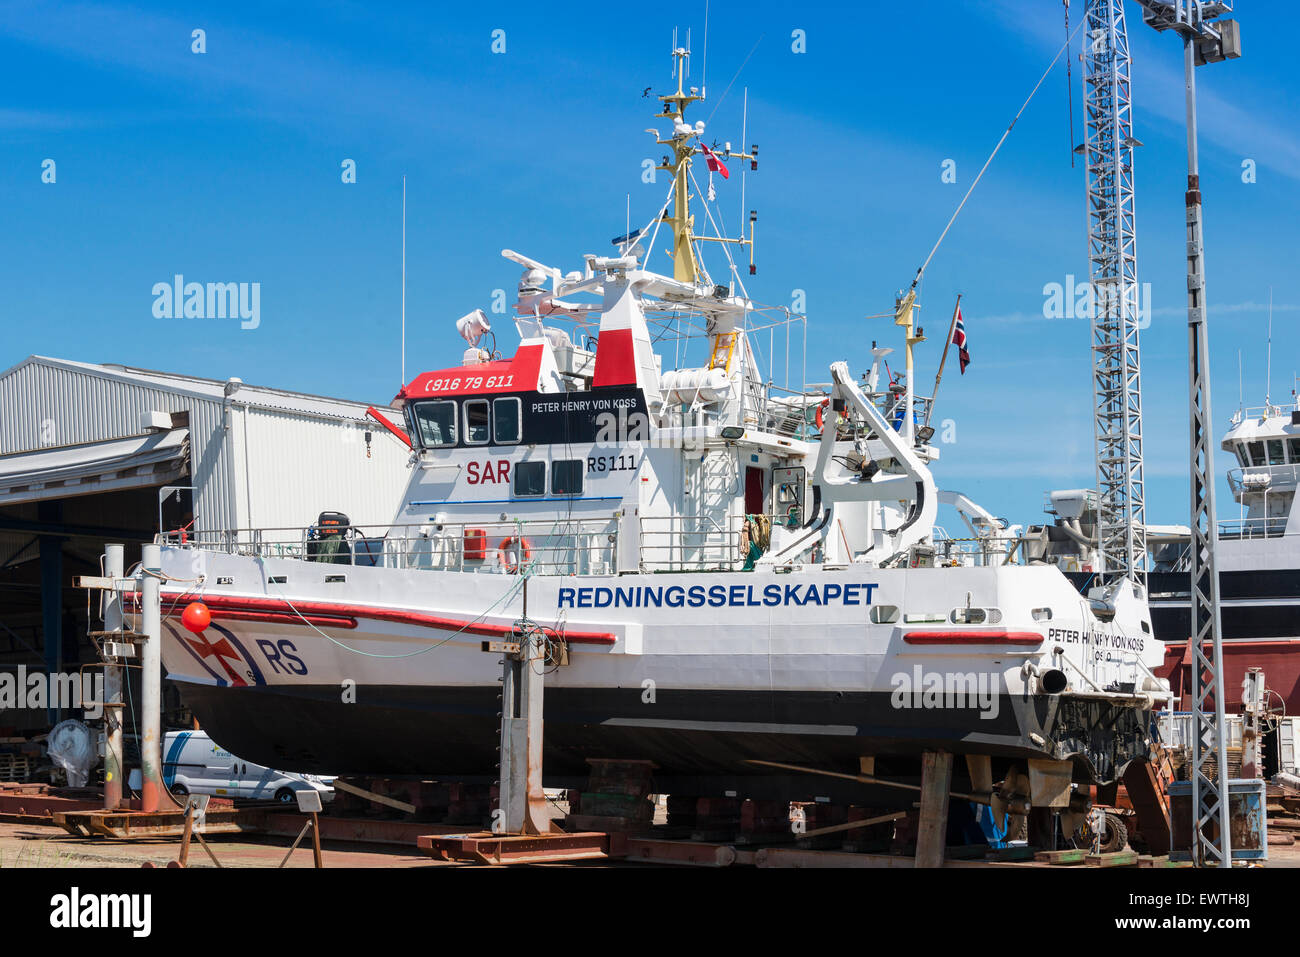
195	764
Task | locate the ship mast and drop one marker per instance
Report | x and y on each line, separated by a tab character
686	264
686	267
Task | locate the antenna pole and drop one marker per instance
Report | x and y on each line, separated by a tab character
744	138
403	281
1268	371
1241	386
704	67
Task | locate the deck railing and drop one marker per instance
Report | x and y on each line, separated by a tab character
1282	477
992	550
552	547
676	543
1263	412
1251	528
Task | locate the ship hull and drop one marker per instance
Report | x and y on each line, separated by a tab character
452	732
356	670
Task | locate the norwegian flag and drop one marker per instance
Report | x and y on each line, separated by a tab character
715	164
959	340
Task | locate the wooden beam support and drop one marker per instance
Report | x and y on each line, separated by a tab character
372	796
936	782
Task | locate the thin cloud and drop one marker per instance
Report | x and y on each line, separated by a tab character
19	120
1214	309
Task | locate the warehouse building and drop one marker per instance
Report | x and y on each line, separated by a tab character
91	454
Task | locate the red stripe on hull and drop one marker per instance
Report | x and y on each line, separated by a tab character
283	618
984	637
225	604
223	612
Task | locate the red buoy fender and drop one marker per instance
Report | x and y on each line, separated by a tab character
196	617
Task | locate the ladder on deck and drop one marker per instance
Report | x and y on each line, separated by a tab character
724	349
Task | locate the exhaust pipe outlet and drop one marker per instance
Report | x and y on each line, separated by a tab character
1053	681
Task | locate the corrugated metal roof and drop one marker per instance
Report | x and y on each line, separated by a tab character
278	456
212	389
46	405
139	462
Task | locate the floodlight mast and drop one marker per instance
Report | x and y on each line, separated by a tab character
1204	41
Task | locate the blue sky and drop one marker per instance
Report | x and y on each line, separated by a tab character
225	166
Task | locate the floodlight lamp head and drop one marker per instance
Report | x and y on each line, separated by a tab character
472	326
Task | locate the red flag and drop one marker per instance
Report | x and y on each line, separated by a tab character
715	164
959	340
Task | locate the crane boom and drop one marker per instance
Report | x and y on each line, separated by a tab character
1112	273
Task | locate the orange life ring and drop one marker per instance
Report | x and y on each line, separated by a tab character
825	403
510	564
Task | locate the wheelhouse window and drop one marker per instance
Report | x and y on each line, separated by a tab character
436	423
1242	456
1256	453
1275	454
1294	447
566	476
476	422
505	421
530	478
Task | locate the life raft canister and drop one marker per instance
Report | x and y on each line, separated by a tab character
506	554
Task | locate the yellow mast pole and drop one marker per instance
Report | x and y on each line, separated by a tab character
904	309
685	267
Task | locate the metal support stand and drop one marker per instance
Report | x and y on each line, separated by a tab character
114	675
117	645
309	803
152	785
1252	730
523	805
522	827
196	809
313	825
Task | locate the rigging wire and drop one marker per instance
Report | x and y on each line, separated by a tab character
1069	80
709	118
1024	106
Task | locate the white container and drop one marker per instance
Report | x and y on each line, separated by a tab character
1288	745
